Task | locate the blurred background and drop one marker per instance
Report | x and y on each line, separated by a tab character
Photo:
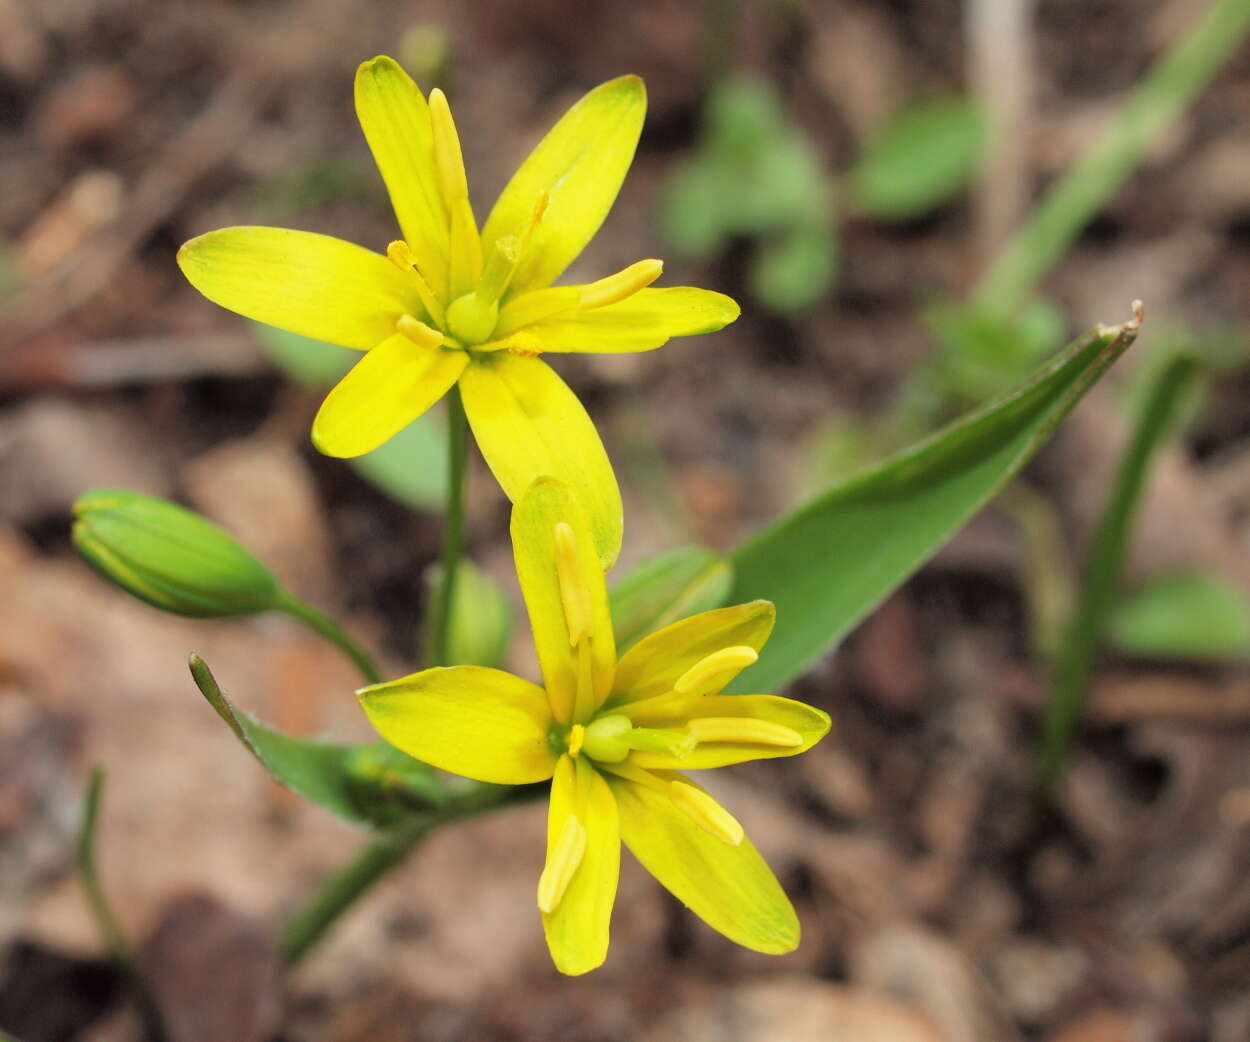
854	174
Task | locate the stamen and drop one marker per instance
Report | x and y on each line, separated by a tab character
584	700
562	863
624	283
743	730
529	308
402	257
574	593
715	669
577	736
418	332
448	159
706	812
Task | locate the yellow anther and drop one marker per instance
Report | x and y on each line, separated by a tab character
402	257
561	865
418	332
624	283
715	669
574	593
743	730
448	159
706	812
577	735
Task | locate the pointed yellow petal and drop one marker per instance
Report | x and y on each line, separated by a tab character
383	393
577	924
314	285
643	322
537	522
654	665
396	122
728	886
733	729
529	424
470	720
580	164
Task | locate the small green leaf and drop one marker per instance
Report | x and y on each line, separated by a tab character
312	363
1189	615
681	582
481	618
919	159
794	271
827	564
366	784
411	468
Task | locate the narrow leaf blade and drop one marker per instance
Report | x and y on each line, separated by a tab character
365	784
829	563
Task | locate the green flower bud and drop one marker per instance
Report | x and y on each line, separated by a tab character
173	559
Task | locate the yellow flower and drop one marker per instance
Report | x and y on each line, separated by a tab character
450	302
612	735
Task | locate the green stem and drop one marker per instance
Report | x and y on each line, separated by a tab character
1102	576
438	652
312	618
388	849
382	853
102	914
1172	83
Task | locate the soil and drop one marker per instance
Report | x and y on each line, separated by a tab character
936	902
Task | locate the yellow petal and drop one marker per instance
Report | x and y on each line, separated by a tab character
478	722
642	322
529	424
383	393
580	164
652	666
546	505
729	887
577	927
396	122
314	285
805	723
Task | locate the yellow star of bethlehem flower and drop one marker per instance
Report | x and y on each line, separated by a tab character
613	735
454	302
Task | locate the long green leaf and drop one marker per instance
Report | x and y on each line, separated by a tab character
1103	571
830	562
371	784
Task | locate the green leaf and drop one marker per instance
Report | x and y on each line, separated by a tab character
919	159
827	564
411	468
312	363
1101	583
1189	615
371	784
678	583
794	271
481	618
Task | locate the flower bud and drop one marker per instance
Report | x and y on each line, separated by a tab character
170	557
